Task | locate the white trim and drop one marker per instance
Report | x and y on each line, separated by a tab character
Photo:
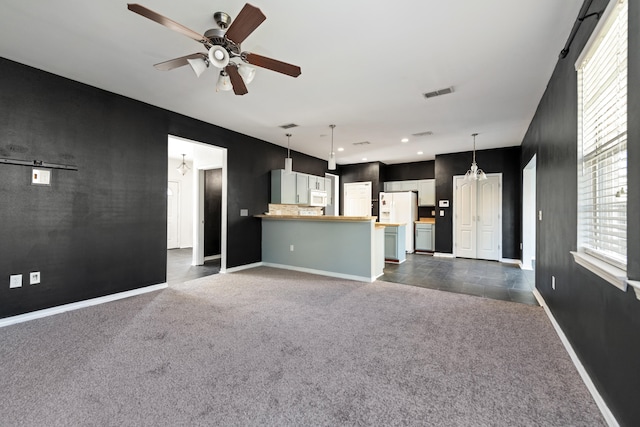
78	305
606	271
322	272
604	409
241	267
443	255
636	287
212	257
511	261
596	33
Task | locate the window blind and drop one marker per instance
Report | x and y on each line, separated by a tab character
602	141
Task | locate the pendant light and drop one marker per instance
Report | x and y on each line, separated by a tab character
332	154
288	162
474	173
183	168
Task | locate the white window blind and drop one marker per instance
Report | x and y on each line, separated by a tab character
602	140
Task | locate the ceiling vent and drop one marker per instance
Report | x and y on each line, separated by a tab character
289	126
426	133
362	143
438	92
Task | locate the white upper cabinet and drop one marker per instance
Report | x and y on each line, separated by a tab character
427	192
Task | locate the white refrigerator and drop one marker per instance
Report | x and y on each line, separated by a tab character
401	207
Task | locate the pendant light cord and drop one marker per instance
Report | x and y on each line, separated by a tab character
288	145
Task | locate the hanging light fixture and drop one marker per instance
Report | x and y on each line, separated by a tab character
288	162
332	154
183	168
474	173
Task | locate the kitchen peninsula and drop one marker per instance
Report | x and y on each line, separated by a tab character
337	246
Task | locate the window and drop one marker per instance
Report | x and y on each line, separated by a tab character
602	142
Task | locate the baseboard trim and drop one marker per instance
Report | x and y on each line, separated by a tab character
604	409
321	272
241	267
78	305
212	257
443	255
510	261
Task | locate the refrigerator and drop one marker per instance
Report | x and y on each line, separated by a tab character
400	207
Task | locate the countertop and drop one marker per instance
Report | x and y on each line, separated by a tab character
391	224
426	221
319	218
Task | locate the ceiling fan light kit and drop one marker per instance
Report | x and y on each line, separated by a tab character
223	47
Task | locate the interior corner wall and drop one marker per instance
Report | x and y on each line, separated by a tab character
103	228
499	160
601	322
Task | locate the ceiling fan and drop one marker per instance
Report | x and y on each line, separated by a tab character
223	45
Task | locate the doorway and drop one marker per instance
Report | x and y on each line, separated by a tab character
529	215
357	199
477	217
194	209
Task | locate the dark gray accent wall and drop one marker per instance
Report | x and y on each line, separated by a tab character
102	229
410	171
601	322
501	160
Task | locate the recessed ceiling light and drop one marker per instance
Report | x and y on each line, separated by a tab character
404	140
420	153
364	159
340	149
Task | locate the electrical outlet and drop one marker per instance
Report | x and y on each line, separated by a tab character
15	281
291	248
553	282
34	277
539	215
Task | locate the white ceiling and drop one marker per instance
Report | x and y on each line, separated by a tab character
365	65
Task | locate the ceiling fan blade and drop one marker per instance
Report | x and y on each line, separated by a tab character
163	20
239	88
178	62
271	64
249	18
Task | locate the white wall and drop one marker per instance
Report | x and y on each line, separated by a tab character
185	238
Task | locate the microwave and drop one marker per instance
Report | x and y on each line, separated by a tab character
317	198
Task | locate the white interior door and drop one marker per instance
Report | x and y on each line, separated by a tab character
477	218
489	208
465	210
357	199
173	227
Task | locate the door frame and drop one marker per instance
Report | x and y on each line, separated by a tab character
455	207
529	222
178	200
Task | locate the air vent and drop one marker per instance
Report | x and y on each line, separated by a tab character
289	126
426	133
362	143
438	92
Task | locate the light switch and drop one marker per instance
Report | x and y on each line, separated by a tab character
441	213
15	281
539	215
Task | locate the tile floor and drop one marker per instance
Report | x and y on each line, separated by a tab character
488	279
179	268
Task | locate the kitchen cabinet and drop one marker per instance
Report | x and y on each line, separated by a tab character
294	188
426	189
302	188
395	244
427	192
425	237
283	187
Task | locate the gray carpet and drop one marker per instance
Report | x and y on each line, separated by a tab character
272	347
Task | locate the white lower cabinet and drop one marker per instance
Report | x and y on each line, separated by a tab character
425	237
395	246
